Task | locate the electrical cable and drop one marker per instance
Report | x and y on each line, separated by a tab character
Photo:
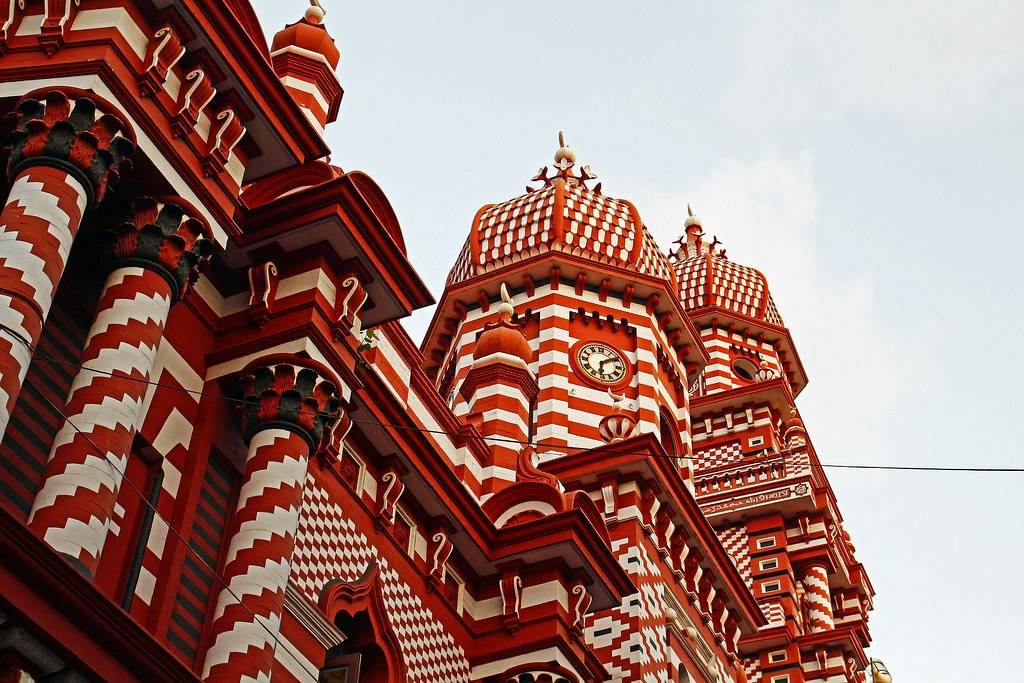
102	454
568	450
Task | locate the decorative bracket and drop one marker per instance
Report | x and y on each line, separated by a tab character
263	280
163	52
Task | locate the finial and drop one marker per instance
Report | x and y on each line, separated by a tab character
564	157
505	308
617	400
315	12
691	218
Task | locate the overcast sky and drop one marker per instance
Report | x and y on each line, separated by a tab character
867	157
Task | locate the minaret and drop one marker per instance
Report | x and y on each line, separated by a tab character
305	58
500	390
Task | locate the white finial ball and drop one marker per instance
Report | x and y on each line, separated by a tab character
314	14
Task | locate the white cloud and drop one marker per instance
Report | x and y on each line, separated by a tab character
862	369
915	58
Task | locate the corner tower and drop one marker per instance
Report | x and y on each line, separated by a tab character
596	299
613	355
758	479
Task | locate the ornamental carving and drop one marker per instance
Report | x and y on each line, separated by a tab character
263	279
163	236
226	132
351	298
72	134
60	14
290	393
162	53
195	94
391	488
511	586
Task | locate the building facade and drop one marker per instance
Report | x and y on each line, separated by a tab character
224	459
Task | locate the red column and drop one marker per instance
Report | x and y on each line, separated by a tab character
289	408
39	222
818	599
63	154
501	389
159	254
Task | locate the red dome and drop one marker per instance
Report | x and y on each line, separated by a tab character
707	278
308	34
503	337
564	215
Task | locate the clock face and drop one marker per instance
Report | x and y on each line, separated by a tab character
601	362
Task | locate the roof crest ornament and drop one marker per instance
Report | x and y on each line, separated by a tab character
315	12
565	161
691	243
505	308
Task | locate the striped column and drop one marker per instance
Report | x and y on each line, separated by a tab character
288	411
38	223
500	389
158	252
62	156
817	598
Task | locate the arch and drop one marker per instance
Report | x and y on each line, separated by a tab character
669	432
380	206
538	672
357	608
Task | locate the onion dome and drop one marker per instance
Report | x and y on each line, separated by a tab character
707	278
793	432
304	57
503	338
564	215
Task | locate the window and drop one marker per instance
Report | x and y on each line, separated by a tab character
767	565
455	588
784	678
744	368
770	586
777	656
756	441
763	543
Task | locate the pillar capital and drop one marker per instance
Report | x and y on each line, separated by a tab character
292	393
66	128
166	236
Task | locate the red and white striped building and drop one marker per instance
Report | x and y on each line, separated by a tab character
224	459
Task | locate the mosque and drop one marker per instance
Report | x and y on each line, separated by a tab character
224	459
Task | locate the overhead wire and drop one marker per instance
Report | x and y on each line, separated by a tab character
568	450
174	532
188	548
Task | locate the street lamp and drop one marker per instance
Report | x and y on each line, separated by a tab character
879	674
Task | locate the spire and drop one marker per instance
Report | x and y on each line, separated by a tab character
692	242
305	58
565	158
502	340
565	161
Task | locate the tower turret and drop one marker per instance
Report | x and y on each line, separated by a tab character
305	58
500	390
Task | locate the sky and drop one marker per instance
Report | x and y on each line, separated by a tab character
868	157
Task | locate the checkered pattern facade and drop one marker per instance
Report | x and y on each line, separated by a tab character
273	521
630	638
713	280
329	546
565	216
737	543
516	226
718	456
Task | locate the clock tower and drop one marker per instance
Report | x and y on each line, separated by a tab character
596	300
561	341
